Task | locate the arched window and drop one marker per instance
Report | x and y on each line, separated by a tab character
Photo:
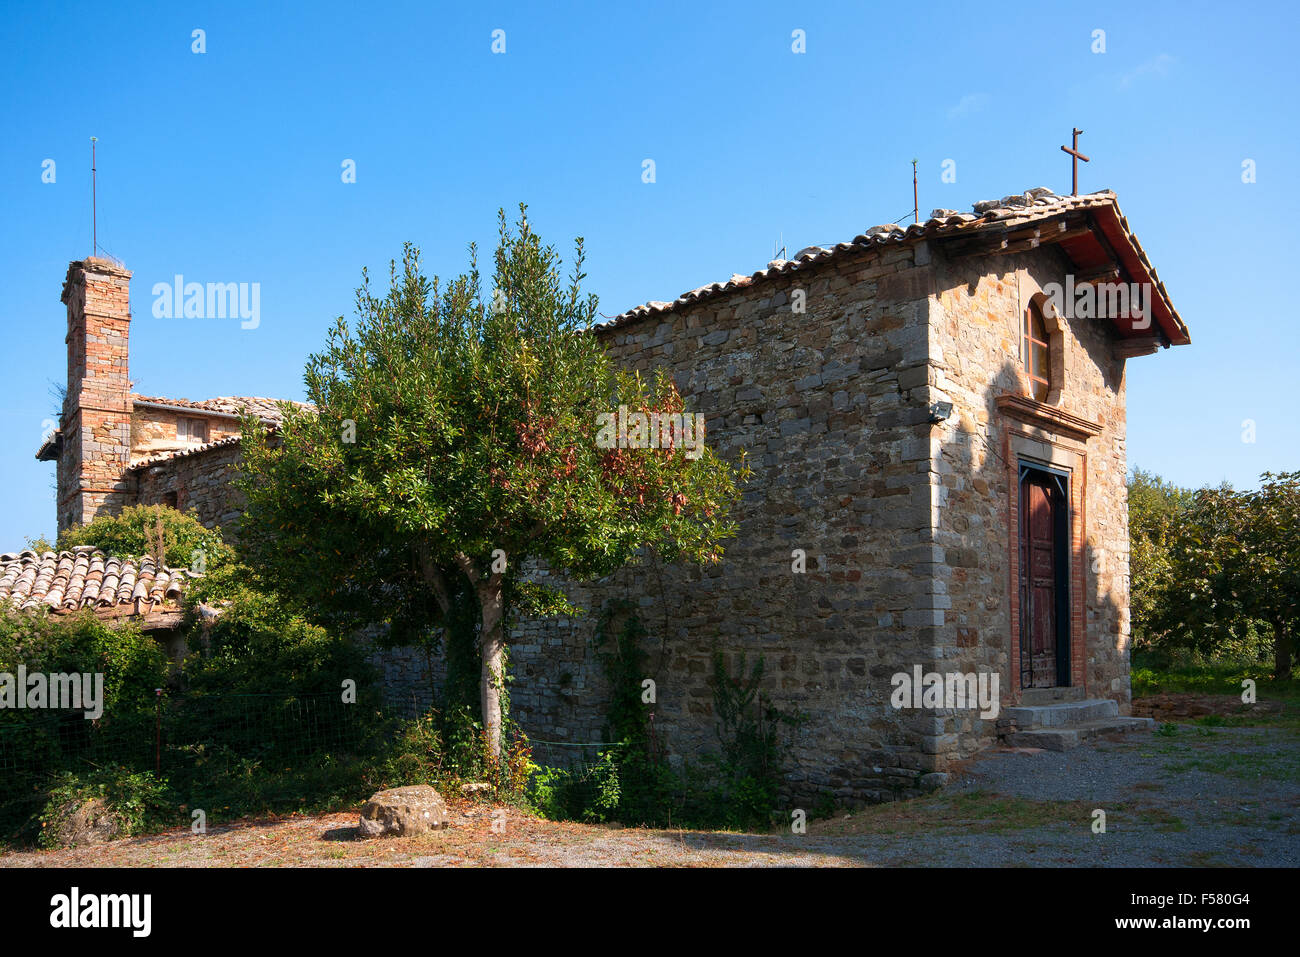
1036	352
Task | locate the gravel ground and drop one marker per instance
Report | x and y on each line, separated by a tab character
1221	797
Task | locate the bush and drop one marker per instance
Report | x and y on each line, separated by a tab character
137	801
590	794
132	662
140	530
257	644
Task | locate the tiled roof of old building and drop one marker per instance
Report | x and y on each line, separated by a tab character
85	577
227	405
266	409
1000	216
172	454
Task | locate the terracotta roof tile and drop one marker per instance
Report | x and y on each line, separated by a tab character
1018	209
173	454
85	577
263	408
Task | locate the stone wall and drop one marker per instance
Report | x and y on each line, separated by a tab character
827	406
976	358
201	481
153	431
906	523
409	677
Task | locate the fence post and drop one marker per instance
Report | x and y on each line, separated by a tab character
157	740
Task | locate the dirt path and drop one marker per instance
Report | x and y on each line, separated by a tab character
1199	797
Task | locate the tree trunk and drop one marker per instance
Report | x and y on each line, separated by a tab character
492	643
1281	652
492	639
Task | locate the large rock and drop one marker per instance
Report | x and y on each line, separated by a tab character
404	811
85	821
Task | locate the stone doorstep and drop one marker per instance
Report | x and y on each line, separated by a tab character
1063	739
1062	714
1032	697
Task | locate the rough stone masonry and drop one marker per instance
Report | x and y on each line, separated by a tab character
882	391
885	424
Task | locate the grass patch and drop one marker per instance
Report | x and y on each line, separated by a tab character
1250	766
1152	677
1161	819
1287	719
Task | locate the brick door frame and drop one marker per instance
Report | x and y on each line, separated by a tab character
1054	452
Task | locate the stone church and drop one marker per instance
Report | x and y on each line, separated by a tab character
935	416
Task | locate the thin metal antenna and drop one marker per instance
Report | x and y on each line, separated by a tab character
916	205
94	211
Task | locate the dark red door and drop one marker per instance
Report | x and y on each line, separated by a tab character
1042	579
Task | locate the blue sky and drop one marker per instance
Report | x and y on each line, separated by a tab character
225	166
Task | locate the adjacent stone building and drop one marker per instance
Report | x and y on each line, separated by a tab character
935	416
116	448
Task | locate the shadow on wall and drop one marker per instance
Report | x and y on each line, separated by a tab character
978	477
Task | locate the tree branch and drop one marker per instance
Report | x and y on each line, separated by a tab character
433	577
467	566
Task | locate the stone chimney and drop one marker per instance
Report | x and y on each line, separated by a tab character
95	441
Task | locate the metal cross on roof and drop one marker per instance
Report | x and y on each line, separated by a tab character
1074	163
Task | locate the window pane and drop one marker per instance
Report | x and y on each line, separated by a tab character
1036	325
191	430
1040	369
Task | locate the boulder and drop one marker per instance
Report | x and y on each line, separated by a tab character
404	811
934	781
85	821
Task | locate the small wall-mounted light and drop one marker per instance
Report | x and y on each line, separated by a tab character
939	411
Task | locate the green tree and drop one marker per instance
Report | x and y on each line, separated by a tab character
1237	561
453	440
1154	520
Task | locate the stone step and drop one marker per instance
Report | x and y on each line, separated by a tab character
1062	714
1065	738
1040	696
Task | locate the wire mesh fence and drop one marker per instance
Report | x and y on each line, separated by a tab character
206	746
573	756
234	754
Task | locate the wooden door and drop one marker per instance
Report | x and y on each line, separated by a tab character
1044	626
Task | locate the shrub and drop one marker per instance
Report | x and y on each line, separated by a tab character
589	794
137	801
132	662
258	644
179	538
747	769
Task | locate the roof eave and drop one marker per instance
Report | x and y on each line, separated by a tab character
965	229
